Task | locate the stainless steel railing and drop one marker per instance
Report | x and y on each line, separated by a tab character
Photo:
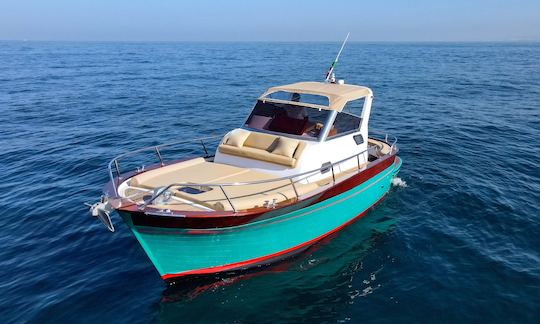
157	149
291	179
388	139
229	199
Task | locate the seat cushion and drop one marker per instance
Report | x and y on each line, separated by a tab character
260	141
162	176
257	154
285	146
237	137
301	146
194	171
250	196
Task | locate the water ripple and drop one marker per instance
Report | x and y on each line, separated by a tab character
460	239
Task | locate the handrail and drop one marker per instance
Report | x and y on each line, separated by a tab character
386	137
222	185
156	149
228	184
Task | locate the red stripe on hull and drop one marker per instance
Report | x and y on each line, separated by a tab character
255	261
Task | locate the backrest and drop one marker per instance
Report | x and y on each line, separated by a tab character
301	146
267	143
260	141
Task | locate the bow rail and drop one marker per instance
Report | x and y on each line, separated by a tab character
203	141
292	179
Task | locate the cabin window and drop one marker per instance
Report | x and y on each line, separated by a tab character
344	124
300	97
288	119
354	107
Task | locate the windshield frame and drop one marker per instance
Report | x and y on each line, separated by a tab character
296	103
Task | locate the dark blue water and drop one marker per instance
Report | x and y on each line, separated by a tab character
459	243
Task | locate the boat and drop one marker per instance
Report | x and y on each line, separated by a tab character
302	166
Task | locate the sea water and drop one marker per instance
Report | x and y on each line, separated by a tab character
459	242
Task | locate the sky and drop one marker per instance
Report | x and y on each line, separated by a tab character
276	20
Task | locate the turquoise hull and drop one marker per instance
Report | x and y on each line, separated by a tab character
179	252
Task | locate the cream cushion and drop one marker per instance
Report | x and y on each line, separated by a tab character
260	141
257	154
261	146
249	196
237	137
163	176
194	171
286	146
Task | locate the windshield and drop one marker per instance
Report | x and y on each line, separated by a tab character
288	119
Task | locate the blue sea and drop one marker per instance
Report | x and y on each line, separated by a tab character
457	241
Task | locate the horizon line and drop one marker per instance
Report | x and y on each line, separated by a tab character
268	41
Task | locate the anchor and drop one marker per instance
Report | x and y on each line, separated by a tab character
102	210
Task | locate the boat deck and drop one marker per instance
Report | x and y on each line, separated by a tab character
196	185
209	197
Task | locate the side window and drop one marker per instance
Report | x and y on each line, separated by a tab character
344	123
355	107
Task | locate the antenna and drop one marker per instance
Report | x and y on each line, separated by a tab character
331	69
